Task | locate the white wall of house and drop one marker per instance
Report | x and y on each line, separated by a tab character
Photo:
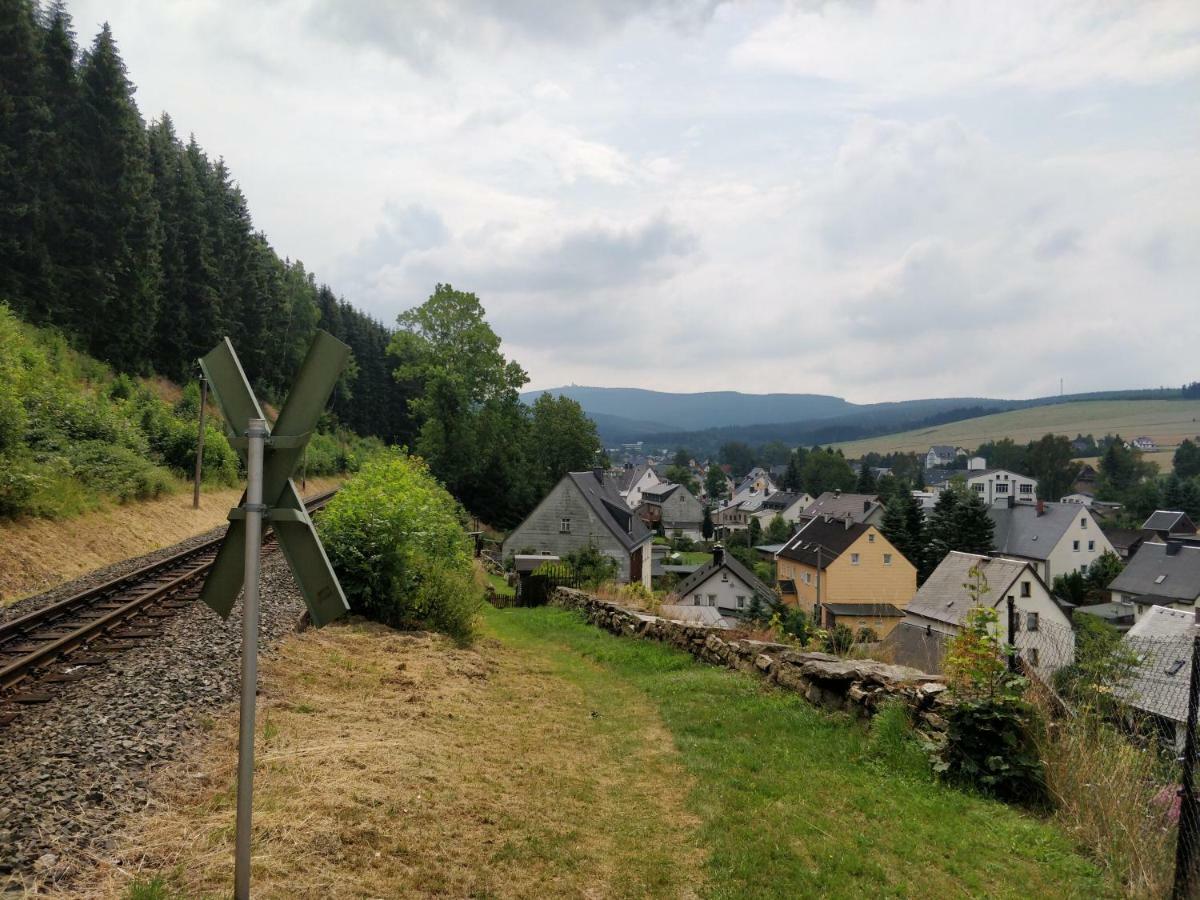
1044	636
1081	545
633	498
721	589
1000	485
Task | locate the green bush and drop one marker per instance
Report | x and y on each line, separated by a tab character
398	542
989	745
118	471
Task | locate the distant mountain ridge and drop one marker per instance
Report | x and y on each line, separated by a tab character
703	421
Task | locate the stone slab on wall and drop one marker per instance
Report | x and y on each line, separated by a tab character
855	686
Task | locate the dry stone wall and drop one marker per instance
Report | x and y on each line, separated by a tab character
855	686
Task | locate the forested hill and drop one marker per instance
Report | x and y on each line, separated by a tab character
139	246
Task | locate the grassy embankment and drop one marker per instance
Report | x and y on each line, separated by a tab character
553	759
39	553
1166	421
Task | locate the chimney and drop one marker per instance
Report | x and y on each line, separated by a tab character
1173	547
849	521
1041	507
718	553
599	473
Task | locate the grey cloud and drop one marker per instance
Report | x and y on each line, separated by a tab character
585	259
1064	242
930	291
404	229
418	33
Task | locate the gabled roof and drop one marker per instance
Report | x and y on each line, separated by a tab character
695	580
1020	531
839	505
942	450
1155	572
1169	520
1123	538
823	539
780	500
943	598
627	478
609	506
1162	640
983	473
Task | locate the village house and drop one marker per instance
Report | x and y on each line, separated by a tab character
1168	523
1161	573
789	506
726	585
1143	443
757	483
940	455
993	486
847	573
1058	538
1125	541
675	508
585	510
1161	643
632	480
861	508
938	611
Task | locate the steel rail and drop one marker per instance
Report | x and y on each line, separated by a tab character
27	626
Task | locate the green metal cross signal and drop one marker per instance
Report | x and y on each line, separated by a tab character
286	514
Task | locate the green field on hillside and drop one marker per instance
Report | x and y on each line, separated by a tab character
1166	421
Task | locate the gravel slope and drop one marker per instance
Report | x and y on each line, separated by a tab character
70	768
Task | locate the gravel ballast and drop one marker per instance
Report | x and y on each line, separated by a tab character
71	768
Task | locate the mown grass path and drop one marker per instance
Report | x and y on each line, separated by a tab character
789	800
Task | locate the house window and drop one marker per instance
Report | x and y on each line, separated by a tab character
1091	545
564	527
1026	488
741	601
697	601
1075	546
887	559
854	559
1002	487
1031	621
1083	522
1032	655
1026	589
871	537
712	599
978	487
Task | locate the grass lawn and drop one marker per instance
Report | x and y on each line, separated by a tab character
789	800
694	557
552	759
501	587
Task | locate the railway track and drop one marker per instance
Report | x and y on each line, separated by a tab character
57	643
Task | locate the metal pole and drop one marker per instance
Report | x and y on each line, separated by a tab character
304	471
1012	634
256	434
1187	851
200	443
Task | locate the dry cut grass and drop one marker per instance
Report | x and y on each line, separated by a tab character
393	765
42	553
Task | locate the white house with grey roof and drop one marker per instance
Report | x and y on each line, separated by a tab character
939	610
1161	573
633	480
725	585
1058	538
585	510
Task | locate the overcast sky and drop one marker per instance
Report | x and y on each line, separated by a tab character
876	200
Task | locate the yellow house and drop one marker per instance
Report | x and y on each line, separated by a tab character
846	573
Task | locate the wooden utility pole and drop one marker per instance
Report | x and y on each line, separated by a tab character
200	443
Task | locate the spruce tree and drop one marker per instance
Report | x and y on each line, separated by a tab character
121	271
24	121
